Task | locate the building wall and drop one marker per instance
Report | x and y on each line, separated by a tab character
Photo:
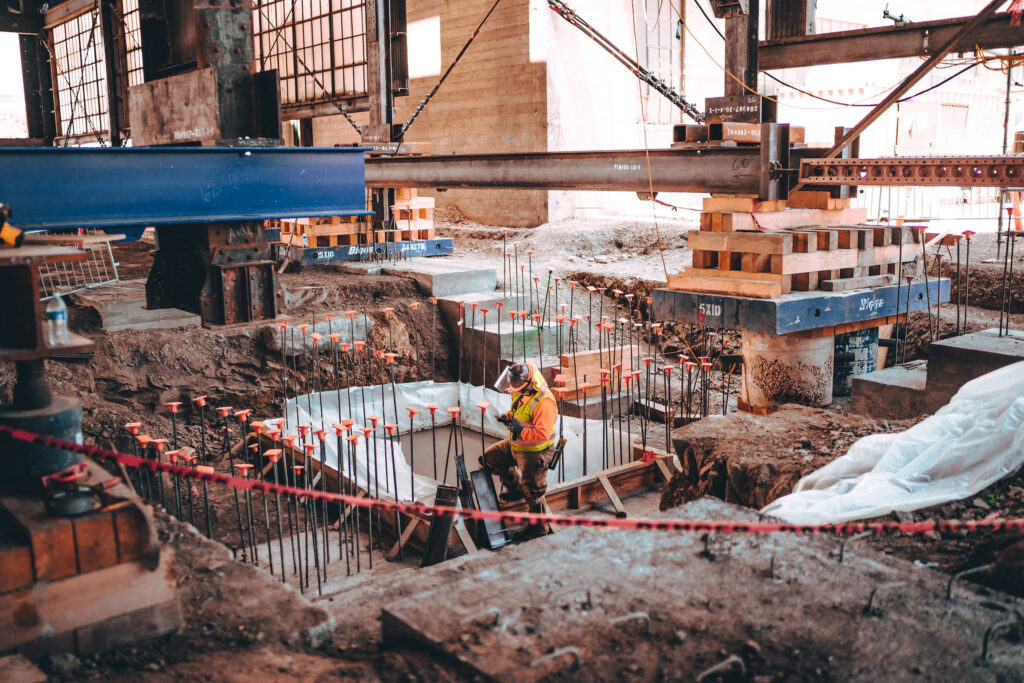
596	103
532	82
495	100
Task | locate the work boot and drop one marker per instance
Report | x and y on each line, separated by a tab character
508	495
533	531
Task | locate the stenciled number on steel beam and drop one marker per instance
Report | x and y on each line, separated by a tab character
994	171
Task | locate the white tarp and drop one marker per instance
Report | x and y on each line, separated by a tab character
381	470
970	443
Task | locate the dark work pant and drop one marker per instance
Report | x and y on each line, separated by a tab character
518	470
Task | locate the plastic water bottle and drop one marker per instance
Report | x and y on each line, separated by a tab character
56	322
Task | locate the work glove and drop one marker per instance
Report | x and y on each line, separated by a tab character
516	428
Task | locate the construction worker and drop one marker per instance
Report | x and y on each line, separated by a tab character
521	461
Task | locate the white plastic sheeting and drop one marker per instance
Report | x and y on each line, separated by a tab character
970	443
380	472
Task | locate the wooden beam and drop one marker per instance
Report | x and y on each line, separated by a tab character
613	497
67	10
857	283
406	534
747	242
587	492
918	39
65	605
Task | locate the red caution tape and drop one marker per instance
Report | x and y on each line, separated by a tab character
102	454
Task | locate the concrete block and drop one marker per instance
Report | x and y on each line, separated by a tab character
896	393
590	601
448	307
955	361
438	279
357	268
122	306
504	341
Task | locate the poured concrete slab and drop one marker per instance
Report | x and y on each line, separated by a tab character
440	279
595	604
122	306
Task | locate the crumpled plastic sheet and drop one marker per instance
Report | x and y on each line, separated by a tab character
370	467
970	443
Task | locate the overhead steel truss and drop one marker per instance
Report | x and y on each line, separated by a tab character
971	171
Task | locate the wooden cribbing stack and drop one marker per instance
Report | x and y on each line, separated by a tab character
587	367
414	220
333	231
753	248
414	216
83	584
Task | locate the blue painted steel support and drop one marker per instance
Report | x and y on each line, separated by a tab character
318	256
55	188
794	312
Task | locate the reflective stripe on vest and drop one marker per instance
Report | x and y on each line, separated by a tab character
524	413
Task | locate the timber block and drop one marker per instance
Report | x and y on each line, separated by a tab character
15	563
50	539
816	199
656	411
742	204
89	612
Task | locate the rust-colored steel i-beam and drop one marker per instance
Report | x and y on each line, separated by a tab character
729	170
988	171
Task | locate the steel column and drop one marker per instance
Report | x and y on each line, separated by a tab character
38	87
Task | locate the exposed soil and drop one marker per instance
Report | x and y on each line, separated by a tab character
241	624
752	460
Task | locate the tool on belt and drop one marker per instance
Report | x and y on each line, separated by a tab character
66	497
559	449
9	234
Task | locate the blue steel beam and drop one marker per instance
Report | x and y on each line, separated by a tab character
55	188
319	256
794	312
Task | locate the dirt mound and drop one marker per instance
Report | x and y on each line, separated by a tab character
226	605
751	460
986	286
